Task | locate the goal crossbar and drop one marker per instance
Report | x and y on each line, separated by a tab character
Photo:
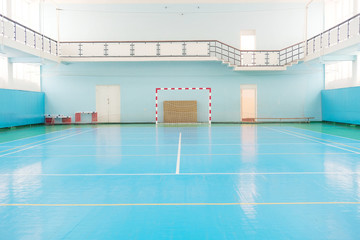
182	89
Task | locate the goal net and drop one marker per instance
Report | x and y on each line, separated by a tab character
183	105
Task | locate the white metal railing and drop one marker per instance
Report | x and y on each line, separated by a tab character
213	48
335	35
134	49
182	48
248	58
15	31
293	53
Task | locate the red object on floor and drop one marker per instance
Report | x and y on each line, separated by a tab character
49	120
94	117
66	120
77	117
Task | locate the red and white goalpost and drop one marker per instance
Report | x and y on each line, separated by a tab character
179	89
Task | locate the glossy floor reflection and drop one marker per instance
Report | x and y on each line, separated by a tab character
235	182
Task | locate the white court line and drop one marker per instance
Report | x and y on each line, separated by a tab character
357	140
278	173
178	156
190	138
13	148
325	140
120	145
166	155
175	174
96	155
166	145
34	136
252	154
224	138
168	204
57	139
313	140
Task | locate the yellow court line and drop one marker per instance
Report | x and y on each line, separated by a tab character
35	142
167	204
320	139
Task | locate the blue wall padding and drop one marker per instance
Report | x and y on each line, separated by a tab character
341	105
21	107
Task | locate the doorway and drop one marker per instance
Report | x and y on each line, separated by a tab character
108	103
248	103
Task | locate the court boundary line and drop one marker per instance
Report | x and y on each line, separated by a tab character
35	136
174	174
6	150
172	145
168	155
357	140
57	139
299	136
343	144
190	138
168	204
178	156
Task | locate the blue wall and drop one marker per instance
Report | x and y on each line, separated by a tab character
70	87
341	105
20	107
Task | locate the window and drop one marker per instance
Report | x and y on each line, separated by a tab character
26	76
339	75
3	72
248	40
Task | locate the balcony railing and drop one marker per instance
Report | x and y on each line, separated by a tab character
161	49
15	31
197	48
293	53
246	58
184	48
121	49
333	36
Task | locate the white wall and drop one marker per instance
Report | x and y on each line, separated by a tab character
277	25
315	19
49	21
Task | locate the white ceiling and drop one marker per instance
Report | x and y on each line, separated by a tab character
165	1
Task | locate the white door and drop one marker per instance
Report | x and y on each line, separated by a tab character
108	103
248	103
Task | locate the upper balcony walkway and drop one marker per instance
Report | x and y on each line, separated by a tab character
17	36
